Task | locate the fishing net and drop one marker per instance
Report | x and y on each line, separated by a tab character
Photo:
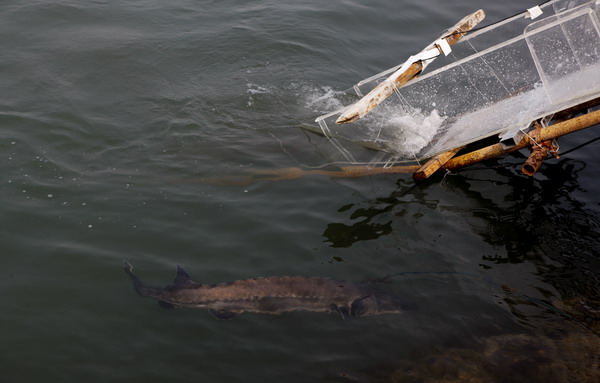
496	80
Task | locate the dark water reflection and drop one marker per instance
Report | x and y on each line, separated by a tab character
367	227
540	222
527	221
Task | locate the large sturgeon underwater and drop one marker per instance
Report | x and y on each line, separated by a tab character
271	295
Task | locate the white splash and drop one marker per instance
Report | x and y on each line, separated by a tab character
322	99
408	132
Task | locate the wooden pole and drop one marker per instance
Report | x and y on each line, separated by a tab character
388	86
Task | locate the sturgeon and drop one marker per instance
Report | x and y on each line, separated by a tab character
270	295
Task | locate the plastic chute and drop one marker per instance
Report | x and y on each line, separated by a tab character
496	81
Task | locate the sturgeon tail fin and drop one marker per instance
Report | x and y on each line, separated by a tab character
140	287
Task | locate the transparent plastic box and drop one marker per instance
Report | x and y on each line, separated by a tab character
496	80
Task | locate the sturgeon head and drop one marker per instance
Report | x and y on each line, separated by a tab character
270	295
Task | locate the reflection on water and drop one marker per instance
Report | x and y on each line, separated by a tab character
369	224
536	222
541	223
342	235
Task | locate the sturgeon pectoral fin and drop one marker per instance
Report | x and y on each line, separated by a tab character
222	314
358	307
343	311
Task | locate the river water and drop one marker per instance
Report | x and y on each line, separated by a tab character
115	116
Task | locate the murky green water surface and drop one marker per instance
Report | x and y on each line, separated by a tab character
115	114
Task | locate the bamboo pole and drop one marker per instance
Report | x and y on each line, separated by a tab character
297	172
545	134
388	86
435	163
548	133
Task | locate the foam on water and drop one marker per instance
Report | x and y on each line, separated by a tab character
257	89
322	99
254	89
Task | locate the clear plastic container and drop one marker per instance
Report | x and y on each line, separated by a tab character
496	80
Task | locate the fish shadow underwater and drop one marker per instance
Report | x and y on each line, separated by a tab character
272	295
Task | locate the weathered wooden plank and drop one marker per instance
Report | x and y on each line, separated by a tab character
387	87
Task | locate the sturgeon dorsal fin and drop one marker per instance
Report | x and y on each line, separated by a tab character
182	278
